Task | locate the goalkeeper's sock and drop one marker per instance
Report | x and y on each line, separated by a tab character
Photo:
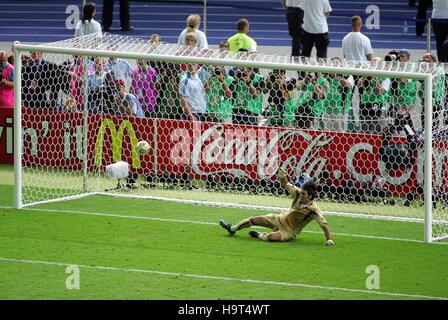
241	225
259	235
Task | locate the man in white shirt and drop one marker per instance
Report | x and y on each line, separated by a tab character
294	16
315	27
440	23
355	45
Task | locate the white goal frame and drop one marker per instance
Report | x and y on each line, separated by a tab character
140	51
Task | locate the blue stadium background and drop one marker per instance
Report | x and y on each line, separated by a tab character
44	21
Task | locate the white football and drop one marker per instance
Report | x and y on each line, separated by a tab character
142	147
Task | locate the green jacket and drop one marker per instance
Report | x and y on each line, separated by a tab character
243	98
217	102
371	96
335	97
306	97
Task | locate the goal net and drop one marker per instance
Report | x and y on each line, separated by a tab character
220	124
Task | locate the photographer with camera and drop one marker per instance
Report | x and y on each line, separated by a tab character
403	96
167	86
281	105
6	81
311	100
219	96
374	96
248	97
396	155
392	55
338	102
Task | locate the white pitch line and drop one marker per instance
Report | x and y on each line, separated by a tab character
102	214
220	278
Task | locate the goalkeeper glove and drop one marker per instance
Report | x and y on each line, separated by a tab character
281	173
329	243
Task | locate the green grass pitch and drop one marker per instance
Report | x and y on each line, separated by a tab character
146	249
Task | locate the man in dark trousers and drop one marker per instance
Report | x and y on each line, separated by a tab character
294	16
315	27
108	9
420	19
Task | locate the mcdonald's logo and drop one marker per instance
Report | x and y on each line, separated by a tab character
116	142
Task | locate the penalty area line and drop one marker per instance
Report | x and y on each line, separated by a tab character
220	278
102	214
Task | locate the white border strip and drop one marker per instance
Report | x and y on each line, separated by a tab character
75	197
219	278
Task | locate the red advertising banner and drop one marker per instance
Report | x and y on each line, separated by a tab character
255	153
55	139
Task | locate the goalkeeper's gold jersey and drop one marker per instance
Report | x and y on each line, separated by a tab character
301	212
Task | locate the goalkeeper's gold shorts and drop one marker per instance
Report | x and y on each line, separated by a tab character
276	222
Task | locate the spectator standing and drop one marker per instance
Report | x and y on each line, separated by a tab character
223	46
143	87
193	23
190	47
77	81
25	58
6	81
338	102
420	19
119	68
41	81
241	40
294	16
97	79
97	85
315	27
92	26
248	97
438	92
219	103
126	103
193	94
155	38
355	45
70	105
108	10
440	23
310	103
444	57
374	95
403	93
167	86
280	100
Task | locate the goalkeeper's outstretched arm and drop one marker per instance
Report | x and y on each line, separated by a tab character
282	177
328	234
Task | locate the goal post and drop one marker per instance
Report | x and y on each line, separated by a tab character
428	160
374	153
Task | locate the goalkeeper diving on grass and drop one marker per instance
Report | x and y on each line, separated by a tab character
287	225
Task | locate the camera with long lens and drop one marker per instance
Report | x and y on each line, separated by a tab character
393	55
241	73
217	71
